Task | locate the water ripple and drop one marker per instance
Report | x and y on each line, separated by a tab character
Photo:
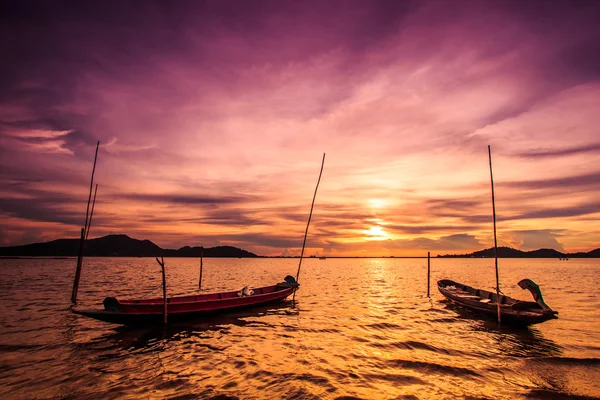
359	329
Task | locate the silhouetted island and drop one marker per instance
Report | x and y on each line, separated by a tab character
124	246
507	252
116	246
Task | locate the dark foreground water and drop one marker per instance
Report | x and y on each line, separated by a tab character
359	328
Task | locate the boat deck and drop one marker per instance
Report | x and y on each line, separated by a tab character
484	296
203	297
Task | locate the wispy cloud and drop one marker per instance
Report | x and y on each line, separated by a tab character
570	151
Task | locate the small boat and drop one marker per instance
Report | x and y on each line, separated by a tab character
161	310
151	311
513	311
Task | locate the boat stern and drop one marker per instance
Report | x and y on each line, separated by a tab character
289	282
536	292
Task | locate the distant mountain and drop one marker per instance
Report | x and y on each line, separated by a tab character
219	251
115	246
594	253
507	252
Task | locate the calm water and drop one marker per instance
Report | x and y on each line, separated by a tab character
360	328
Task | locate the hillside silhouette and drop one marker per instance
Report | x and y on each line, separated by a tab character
508	252
125	246
116	246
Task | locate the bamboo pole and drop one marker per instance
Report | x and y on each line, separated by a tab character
91	185
87	231
83	235
200	279
164	284
309	217
428	273
495	238
78	269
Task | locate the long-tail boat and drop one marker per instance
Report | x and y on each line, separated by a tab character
151	311
156	310
504	308
513	311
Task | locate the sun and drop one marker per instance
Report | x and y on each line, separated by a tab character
377	203
376	233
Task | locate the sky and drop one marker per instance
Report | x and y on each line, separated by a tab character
213	118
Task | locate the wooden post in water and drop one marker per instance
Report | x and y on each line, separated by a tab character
200	279
309	217
164	284
428	272
495	238
83	235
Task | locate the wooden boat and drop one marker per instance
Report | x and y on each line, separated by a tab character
513	311
151	311
161	310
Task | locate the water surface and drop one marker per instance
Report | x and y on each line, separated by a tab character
359	328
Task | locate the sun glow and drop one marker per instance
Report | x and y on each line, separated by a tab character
377	233
377	203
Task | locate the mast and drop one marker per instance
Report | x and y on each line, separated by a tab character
91	185
495	238
87	231
309	217
84	231
78	269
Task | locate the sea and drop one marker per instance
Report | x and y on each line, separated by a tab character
358	328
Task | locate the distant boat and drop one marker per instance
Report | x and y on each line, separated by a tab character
514	312
151	311
322	258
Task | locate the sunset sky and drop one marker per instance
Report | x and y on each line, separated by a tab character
213	117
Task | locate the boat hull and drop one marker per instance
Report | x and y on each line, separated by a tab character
513	312
150	312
